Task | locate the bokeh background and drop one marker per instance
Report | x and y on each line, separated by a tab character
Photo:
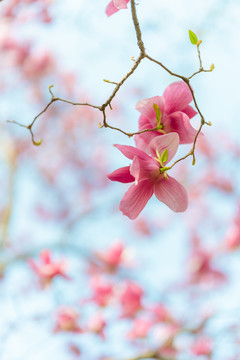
56	196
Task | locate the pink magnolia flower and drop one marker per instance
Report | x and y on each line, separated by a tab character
47	269
202	270
150	177
131	299
96	324
160	313
116	5
202	346
140	329
232	238
175	114
67	320
102	290
113	256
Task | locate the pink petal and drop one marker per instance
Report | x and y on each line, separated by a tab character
122	175
111	9
136	199
177	96
189	111
145	107
130	151
179	122
145	123
143	169
142	140
171	193
169	141
120	4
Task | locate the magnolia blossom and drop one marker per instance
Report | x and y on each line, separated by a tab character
116	5
140	329
102	290
149	176
67	320
130	299
160	313
202	270
113	256
96	324
171	112
47	269
202	346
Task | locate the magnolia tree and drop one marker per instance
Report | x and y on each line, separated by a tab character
83	277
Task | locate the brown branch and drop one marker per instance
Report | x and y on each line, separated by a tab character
165	68
137	62
137	28
108	102
148	355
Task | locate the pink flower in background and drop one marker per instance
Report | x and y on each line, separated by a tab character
160	313
201	268
113	256
140	329
116	5
131	299
148	174
67	320
232	238
96	324
102	290
202	346
175	115
47	269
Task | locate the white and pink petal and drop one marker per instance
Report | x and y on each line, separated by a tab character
116	5
145	107
160	143
121	4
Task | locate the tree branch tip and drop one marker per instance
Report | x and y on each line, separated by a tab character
37	143
212	67
110	82
50	90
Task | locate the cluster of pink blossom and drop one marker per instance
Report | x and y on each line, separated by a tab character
169	115
47	269
145	318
